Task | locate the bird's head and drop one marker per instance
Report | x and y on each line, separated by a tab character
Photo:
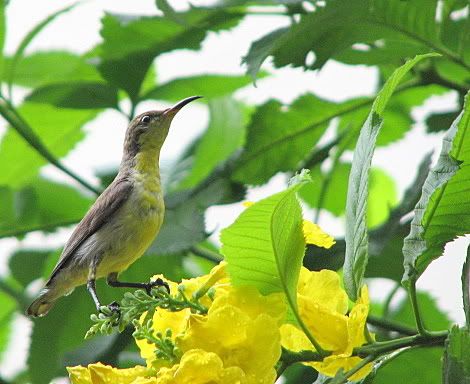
148	131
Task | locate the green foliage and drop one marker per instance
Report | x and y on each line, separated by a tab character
265	246
211	86
244	145
442	212
59	129
457	357
356	206
224	135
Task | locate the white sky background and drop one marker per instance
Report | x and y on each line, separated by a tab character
79	30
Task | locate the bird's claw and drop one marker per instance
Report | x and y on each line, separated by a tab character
157	283
115	307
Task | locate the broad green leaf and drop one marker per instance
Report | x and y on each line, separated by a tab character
224	135
209	86
58	128
382	197
457	357
356	205
443	212
80	95
399	29
131	43
265	246
27	265
415	366
41	68
29	38
40	205
280	137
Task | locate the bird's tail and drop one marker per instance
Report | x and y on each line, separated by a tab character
42	304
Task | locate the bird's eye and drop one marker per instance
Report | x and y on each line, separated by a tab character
145	119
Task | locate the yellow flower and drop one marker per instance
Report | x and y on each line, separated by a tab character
314	235
200	367
242	328
323	308
177	322
104	374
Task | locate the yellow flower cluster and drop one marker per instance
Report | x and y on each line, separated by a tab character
239	339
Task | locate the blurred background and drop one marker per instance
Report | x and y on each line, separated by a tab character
89	140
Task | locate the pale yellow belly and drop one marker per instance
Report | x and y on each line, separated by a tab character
129	236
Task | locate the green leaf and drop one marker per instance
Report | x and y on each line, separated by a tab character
279	138
40	205
415	366
443	212
59	130
80	95
435	318
41	68
224	135
440	121
27	265
356	206
466	288
29	38
265	246
184	217
8	306
457	357
393	28
261	49
131	43
209	86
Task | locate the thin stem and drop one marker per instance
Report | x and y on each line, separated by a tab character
368	336
379	348
414	305
390	325
389	298
206	254
376	349
12	116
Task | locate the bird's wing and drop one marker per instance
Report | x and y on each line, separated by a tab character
101	212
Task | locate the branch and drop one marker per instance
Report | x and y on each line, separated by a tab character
11	115
206	254
390	325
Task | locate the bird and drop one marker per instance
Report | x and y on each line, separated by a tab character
122	223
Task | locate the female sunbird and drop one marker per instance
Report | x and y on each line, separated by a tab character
123	221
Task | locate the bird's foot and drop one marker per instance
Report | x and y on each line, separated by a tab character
157	283
115	307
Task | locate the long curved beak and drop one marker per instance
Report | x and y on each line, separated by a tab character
174	110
